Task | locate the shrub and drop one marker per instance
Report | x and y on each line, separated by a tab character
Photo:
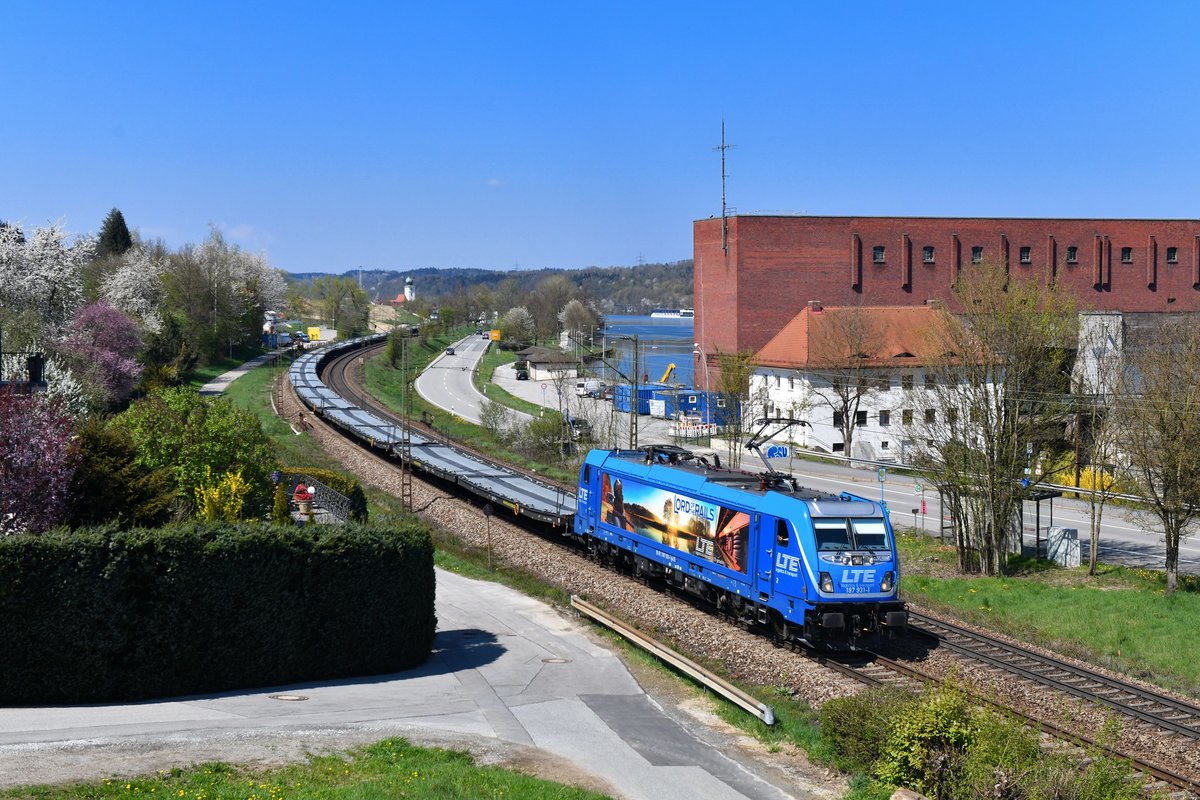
111	486
925	746
855	728
101	615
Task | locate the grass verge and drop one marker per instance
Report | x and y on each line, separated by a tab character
1120	618
207	372
388	768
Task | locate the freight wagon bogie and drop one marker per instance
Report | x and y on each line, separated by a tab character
814	567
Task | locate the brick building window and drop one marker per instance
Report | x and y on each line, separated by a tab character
1172	255
837	419
927	254
906	416
952	415
1072	255
906	381
1026	255
884	383
1126	255
839	447
976	254
883	445
877	254
860	419
930	416
885	418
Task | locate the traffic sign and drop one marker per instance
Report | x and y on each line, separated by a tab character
918	488
545	387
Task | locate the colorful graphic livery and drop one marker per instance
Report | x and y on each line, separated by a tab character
816	567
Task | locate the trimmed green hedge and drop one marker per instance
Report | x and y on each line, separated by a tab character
100	615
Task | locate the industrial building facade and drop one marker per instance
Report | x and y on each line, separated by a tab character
754	273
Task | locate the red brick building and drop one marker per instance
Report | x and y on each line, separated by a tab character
752	281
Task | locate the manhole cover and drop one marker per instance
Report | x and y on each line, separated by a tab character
289	698
556	661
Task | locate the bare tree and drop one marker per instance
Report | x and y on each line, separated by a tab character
843	348
1096	429
999	389
733	395
1160	431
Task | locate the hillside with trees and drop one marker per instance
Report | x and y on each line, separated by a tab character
611	289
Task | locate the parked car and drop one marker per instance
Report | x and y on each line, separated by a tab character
301	336
590	388
449	351
581	429
522	374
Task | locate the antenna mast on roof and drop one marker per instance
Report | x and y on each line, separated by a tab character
724	213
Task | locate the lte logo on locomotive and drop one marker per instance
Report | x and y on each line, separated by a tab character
858	576
694	508
787	564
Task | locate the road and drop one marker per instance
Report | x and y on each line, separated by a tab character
447	383
1121	541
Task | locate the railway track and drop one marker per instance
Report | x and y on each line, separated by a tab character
882	670
1147	707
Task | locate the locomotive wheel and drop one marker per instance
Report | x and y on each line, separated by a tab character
780	629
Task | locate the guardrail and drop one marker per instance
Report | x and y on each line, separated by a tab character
682	663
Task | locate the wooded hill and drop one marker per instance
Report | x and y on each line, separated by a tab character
637	288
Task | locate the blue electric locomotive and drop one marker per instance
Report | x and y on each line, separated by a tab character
816	567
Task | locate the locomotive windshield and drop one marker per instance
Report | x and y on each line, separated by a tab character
833	534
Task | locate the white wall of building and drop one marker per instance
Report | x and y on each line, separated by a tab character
892	419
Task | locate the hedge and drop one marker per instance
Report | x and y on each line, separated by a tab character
102	615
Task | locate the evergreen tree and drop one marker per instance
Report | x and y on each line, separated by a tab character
114	235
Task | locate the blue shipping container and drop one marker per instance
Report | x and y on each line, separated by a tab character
621	398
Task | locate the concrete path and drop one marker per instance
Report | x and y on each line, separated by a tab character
504	667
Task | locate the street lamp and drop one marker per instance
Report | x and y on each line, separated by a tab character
699	351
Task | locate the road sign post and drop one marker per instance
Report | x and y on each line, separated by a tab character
882	477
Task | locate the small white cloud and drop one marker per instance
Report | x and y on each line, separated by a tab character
493	181
242	232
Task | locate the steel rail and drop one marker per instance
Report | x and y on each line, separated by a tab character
1114	693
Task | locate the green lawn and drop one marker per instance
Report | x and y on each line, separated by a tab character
1120	618
206	372
389	768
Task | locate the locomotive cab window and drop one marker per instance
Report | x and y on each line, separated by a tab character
852	534
781	532
869	534
832	534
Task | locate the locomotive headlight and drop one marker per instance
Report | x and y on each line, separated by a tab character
889	579
826	582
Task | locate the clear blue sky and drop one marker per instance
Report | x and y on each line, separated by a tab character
568	134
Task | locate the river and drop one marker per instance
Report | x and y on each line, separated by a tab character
661	342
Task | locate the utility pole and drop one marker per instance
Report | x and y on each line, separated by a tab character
633	399
406	466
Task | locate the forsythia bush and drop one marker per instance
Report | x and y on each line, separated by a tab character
98	615
221	499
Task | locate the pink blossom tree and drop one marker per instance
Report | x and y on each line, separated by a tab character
38	459
102	343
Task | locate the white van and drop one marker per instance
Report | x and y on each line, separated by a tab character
590	388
